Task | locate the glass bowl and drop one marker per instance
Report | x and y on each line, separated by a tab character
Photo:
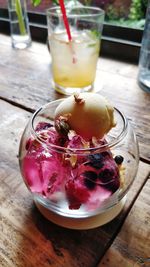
78	187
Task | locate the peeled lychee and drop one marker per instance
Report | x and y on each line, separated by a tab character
88	114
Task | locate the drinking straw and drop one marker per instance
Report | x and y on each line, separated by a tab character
65	19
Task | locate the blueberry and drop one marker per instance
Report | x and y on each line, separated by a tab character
109	180
106	153
90	175
106	175
119	159
90	179
96	161
96	157
89	184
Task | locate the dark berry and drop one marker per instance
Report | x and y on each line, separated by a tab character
90	175
106	176
95	157
96	161
109	179
106	154
90	178
119	159
89	184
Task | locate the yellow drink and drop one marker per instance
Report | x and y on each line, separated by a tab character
74	63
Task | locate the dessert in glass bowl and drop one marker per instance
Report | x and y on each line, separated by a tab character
79	156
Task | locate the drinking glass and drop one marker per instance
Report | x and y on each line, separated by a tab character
74	62
75	187
144	59
19	24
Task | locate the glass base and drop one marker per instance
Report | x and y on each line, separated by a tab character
81	223
21	42
73	90
145	85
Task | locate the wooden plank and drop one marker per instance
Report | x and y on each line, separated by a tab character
28	239
122	68
32	87
135	104
25	78
132	246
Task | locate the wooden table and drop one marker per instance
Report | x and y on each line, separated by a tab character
27	239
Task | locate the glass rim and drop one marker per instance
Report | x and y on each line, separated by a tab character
98	11
60	149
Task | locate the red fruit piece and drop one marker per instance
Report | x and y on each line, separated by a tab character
76	142
77	194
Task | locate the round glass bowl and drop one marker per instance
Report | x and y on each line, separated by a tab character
75	183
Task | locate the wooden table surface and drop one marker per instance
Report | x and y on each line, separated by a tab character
27	239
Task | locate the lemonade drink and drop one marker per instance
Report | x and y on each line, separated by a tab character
74	48
74	63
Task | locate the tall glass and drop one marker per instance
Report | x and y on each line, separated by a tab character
19	25
74	62
144	60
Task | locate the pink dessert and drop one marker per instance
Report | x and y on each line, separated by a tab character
79	179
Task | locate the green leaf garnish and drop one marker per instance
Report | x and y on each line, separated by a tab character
95	34
56	2
36	2
91	45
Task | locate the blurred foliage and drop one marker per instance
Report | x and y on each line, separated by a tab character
116	12
138	9
136	24
134	18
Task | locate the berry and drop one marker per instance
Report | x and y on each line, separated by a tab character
106	176
109	178
119	159
96	161
90	179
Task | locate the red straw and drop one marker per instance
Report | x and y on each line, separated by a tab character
65	19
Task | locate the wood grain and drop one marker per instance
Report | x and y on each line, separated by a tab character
25	79
29	240
132	249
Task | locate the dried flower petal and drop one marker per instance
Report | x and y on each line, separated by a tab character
62	126
78	99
